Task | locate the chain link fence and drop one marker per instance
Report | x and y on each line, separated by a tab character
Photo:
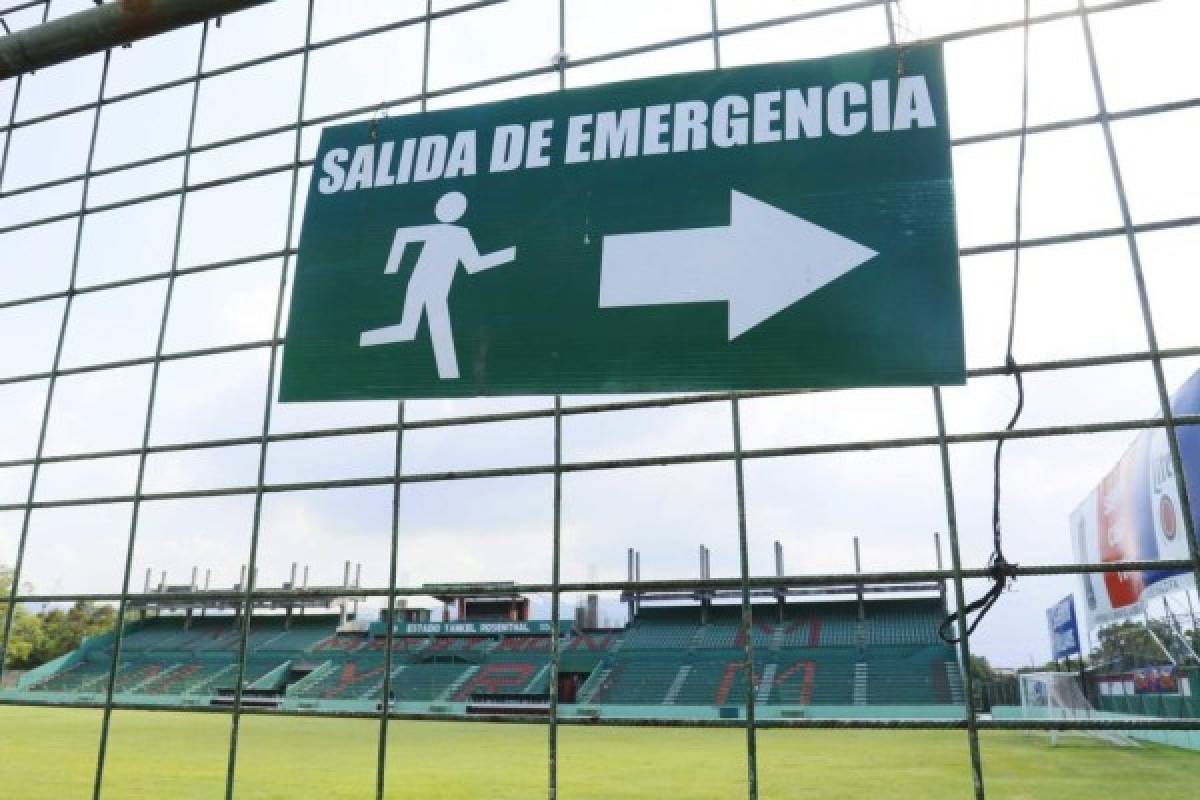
128	176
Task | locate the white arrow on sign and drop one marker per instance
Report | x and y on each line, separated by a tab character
763	261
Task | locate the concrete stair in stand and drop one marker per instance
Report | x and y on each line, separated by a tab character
161	674
377	687
593	684
954	681
459	682
860	684
677	684
766	683
537	676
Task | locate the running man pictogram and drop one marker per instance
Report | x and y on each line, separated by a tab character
446	246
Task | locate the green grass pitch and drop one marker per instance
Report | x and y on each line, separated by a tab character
50	754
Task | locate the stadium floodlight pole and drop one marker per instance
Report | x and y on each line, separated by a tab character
858	587
1139	277
104	27
937	551
148	425
10	609
268	400
637	580
629	579
780	594
1191	611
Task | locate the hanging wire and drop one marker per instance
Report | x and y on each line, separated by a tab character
1001	571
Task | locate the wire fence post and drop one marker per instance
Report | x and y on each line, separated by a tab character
747	608
152	395
386	699
556	545
268	401
955	555
555	599
747	622
964	645
10	610
389	638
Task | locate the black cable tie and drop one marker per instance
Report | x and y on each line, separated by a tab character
1003	574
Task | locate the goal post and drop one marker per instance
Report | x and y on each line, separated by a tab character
1060	695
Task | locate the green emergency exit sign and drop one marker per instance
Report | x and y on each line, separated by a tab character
779	226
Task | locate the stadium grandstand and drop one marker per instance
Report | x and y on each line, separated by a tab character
679	655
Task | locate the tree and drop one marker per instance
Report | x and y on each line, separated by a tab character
63	631
1130	643
987	687
21	643
46	635
981	668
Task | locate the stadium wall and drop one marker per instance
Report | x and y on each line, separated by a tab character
1188	740
458	710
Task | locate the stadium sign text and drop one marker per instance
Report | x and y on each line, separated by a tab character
530	628
736	121
656	235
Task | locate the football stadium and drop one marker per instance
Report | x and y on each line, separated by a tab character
816	413
685	657
680	658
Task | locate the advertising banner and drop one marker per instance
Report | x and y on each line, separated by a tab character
1064	630
1156	680
1134	515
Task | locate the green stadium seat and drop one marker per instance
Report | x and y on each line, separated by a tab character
805	654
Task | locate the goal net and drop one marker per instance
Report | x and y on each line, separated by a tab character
1059	695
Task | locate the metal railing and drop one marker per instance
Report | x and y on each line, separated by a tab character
557	467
